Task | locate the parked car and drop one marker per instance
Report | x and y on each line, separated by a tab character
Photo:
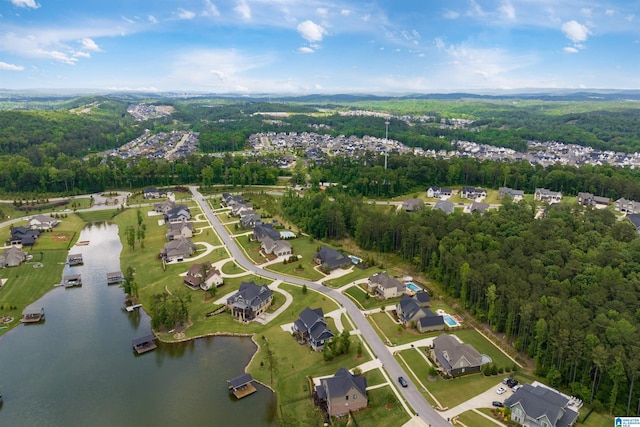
512	383
497	404
506	380
501	390
516	388
403	382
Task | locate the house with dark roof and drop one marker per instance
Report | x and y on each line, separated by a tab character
455	357
203	276
177	250
153	193
437	192
262	231
42	222
479	207
588	199
544	195
250	221
12	257
276	247
311	328
472	193
516	195
179	213
635	220
412	204
412	311
540	406
445	206
250	301
342	393
23	236
330	259
386	287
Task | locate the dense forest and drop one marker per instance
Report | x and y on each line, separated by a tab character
563	289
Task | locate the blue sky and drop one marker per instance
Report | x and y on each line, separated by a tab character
316	46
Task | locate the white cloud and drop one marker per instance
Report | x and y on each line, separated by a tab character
89	44
10	67
127	20
507	10
311	31
570	49
305	49
243	9
152	19
26	3
345	12
586	11
210	9
81	54
185	14
610	12
451	14
575	31
322	11
475	9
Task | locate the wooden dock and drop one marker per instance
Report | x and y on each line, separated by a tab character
115	277
32	315
241	386
130	308
72	280
75	259
144	344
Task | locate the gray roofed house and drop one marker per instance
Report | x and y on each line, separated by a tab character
544	195
276	247
250	221
250	301
163	207
472	193
182	228
179	213
177	249
635	220
431	322
444	205
439	192
203	276
23	236
261	231
12	257
42	222
627	206
454	357
311	328
540	406
480	207
411	310
588	199
411	205
342	393
516	195
385	286
330	259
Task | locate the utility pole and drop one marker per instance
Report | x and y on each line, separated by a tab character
386	142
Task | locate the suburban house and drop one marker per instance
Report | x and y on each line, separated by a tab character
23	236
480	207
588	199
261	231
330	259
12	257
341	393
536	405
627	206
275	247
311	328
438	192
250	301
179	229
516	195
635	220
445	206
454	357
544	195
163	207
153	193
42	222
415	310
240	209
472	193
177	249
230	201
176	214
250	220
385	286
203	276
411	205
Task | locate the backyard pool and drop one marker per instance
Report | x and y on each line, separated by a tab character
413	287
449	320
287	235
355	259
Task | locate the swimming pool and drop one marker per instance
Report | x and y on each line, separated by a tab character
449	320
355	259
287	235
413	287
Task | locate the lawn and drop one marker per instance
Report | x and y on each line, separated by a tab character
356	274
360	295
596	419
232	267
484	346
471	418
101	215
384	410
374	377
393	332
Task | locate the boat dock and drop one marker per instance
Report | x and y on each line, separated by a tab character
130	308
72	280
32	315
115	277
144	344
241	386
75	259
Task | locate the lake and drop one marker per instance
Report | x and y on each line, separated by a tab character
78	367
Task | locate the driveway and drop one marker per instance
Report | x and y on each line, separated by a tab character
483	400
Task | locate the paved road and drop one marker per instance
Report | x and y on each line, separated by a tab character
411	394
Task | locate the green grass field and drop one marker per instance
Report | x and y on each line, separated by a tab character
471	418
395	333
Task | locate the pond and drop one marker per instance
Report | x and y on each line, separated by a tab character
78	368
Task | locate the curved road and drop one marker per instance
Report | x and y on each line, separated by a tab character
411	394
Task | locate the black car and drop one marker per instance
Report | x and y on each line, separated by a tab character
512	383
403	382
498	404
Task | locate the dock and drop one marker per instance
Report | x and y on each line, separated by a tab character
241	386
75	259
32	315
130	308
72	280
115	278
144	344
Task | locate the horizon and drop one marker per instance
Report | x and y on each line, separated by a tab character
295	47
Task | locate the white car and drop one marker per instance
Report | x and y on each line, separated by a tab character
516	388
501	390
